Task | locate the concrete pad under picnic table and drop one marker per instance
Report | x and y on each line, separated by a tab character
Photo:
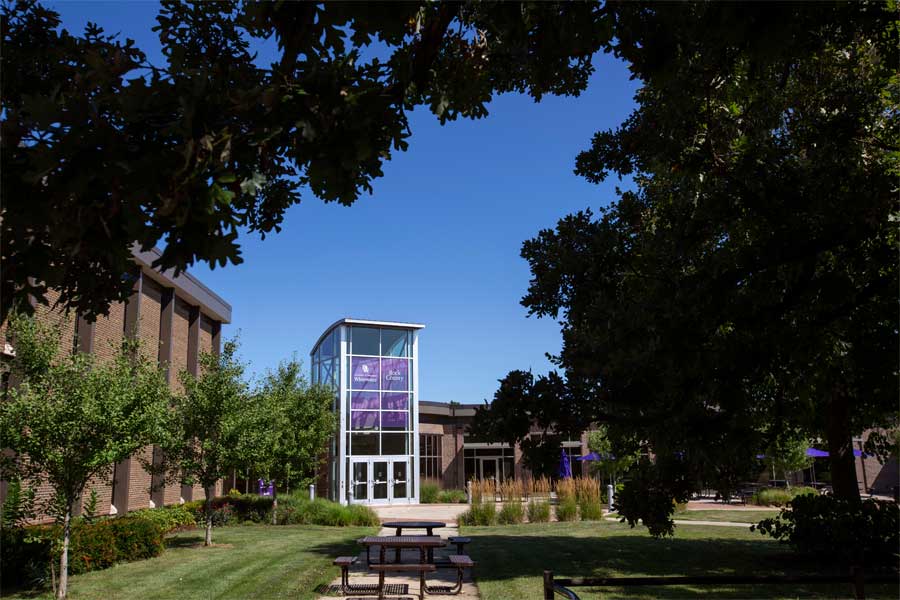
360	574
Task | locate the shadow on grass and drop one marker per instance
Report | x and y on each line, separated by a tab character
506	557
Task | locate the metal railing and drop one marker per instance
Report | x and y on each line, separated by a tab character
856	578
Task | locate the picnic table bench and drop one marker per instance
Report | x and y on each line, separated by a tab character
425	543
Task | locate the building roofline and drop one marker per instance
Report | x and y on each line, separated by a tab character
352	321
189	287
447	408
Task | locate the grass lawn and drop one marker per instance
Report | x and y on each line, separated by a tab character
511	560
735	516
251	562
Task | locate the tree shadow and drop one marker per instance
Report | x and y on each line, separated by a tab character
507	557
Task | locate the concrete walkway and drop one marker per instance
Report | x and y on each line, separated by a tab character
448	513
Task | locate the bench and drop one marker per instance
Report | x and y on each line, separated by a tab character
345	562
460	543
458	562
421	569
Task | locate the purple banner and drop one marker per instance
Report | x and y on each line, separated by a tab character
394	374
395	401
364	400
393	420
364	373
363	420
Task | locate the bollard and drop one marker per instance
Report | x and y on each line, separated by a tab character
469	491
312	491
609	495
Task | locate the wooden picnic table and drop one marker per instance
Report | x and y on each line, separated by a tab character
425	543
428	526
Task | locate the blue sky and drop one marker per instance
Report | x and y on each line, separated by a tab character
436	243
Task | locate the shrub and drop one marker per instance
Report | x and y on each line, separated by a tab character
779	496
299	510
429	492
232	510
170	518
587	492
824	526
480	514
27	552
567	509
453	497
590	510
511	513
136	538
538	511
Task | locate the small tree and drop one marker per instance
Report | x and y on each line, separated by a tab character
72	417
611	464
300	421
788	454
216	425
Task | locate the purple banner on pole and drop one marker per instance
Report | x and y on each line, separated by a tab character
393	420
364	400
363	420
394	374
395	401
364	373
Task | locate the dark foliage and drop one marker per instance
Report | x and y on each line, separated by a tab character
833	529
102	149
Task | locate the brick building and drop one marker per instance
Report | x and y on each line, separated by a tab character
175	318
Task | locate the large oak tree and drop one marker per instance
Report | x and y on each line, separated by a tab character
102	149
744	288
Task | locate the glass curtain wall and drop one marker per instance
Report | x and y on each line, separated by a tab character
379	415
372	368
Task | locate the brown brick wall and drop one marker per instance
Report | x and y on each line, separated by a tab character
139	481
148	330
206	334
58	316
104	495
180	325
109	331
172	494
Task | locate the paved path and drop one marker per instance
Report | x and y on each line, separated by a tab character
360	574
684	522
448	513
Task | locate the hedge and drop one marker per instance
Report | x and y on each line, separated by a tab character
26	553
292	510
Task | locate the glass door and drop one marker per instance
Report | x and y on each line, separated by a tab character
399	477
488	468
380	481
360	481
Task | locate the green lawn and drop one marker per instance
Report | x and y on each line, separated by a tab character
735	516
511	560
251	562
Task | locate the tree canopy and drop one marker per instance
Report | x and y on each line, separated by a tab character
215	426
300	420
744	283
102	149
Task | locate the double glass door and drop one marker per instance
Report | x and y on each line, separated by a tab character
379	480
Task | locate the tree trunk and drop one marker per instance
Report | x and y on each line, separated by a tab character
64	556
840	448
209	520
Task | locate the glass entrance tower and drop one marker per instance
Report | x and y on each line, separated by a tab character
373	368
